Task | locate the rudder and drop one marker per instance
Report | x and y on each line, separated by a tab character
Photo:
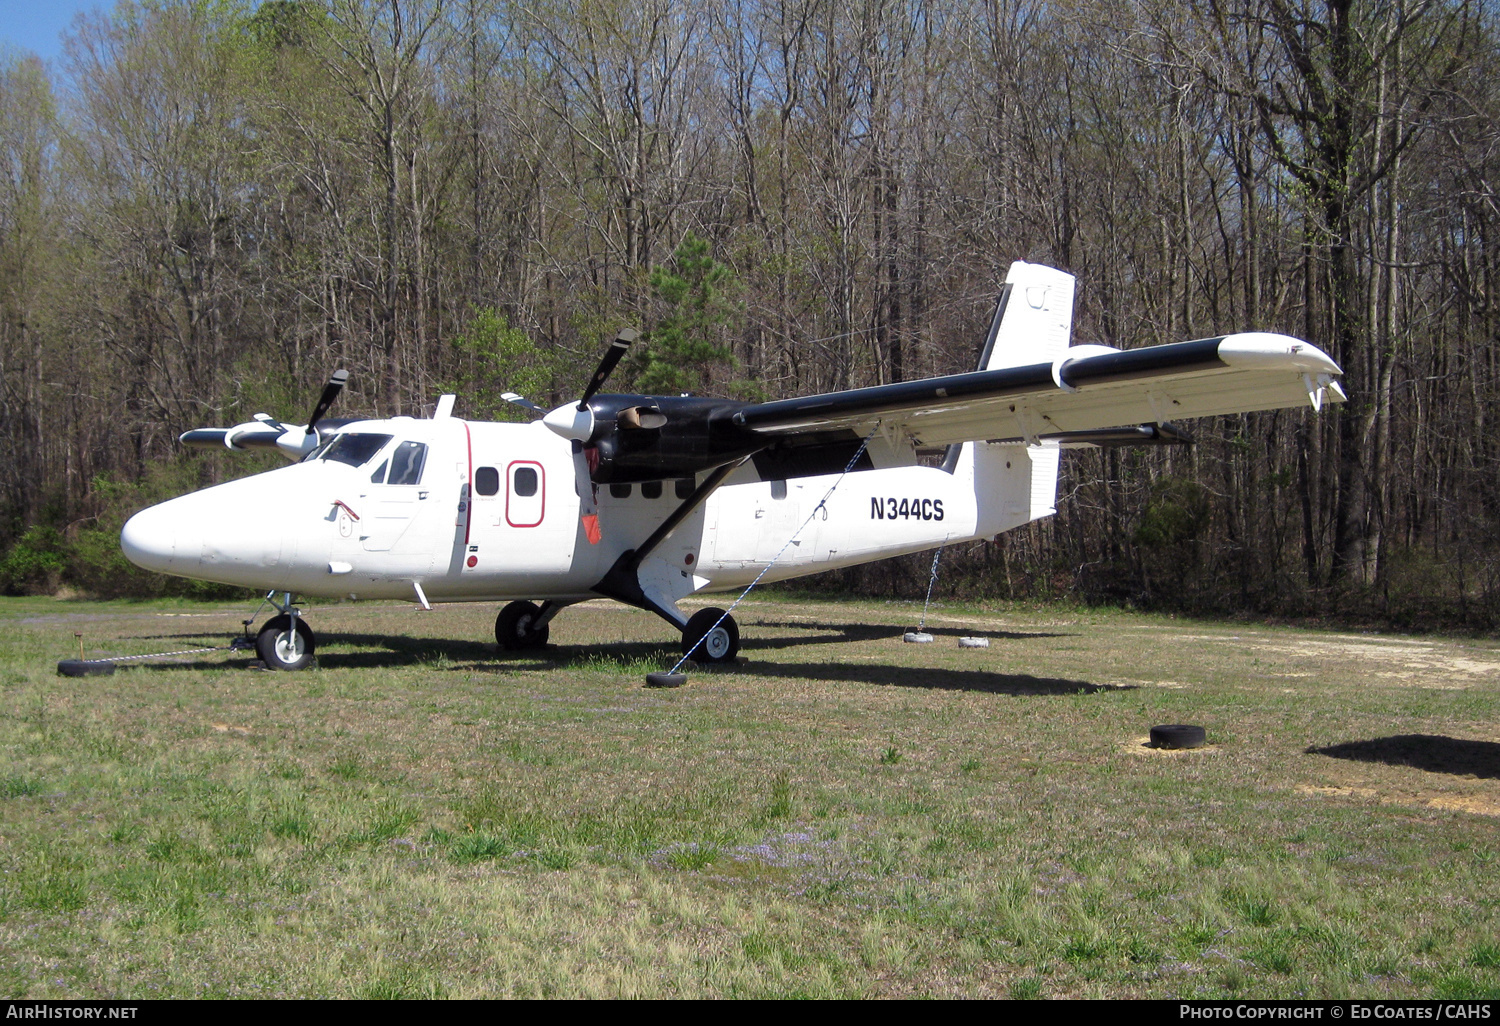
1033	320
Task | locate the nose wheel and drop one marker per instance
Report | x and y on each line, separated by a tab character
285	643
707	639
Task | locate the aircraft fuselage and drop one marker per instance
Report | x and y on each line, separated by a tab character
478	511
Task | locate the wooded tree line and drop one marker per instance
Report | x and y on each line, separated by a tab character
208	206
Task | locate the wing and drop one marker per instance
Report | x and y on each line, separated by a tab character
1085	389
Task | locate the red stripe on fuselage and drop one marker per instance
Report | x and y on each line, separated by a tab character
469	502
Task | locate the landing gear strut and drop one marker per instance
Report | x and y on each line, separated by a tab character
285	642
704	642
522	625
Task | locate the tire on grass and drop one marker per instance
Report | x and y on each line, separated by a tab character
85	668
1179	735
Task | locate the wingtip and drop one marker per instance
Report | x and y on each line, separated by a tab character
1270	351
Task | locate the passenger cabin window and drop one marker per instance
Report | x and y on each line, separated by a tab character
406	464
778	489
487	481
683	487
619	491
650	489
525	482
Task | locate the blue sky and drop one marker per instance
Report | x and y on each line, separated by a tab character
36	25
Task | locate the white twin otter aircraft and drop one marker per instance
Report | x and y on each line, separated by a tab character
650	499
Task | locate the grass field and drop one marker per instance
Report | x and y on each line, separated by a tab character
841	815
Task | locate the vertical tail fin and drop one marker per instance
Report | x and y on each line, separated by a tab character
1033	324
1033	319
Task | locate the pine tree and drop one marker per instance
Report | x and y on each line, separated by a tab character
682	348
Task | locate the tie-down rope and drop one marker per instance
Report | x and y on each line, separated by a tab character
822	503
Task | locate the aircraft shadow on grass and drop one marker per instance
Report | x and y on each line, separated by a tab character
933	678
869	632
1432	752
380	651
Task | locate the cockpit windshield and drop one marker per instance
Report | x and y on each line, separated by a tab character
353	449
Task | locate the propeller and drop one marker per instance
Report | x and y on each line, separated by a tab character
612	356
336	382
575	422
264	431
521	401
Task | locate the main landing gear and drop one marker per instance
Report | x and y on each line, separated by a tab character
708	639
524	625
705	639
285	642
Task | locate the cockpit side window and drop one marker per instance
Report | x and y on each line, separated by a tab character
353	449
406	464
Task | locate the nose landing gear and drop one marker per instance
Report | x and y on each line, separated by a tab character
285	642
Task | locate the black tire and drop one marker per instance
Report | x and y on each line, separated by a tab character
1179	735
280	649
720	646
665	680
515	627
85	667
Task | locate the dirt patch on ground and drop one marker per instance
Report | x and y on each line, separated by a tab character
1474	804
1427	663
1460	803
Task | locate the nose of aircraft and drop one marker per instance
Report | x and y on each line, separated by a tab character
160	538
248	532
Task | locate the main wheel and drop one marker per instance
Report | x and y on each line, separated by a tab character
282	648
516	627
706	643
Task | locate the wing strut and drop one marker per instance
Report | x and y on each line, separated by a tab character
622	582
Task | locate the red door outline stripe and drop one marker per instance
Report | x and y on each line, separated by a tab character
541	484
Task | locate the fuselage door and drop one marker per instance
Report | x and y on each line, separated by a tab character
525	512
526	498
395	495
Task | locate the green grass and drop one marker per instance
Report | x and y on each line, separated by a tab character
841	816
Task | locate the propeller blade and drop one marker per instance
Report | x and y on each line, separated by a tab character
336	382
270	421
588	506
520	400
612	356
